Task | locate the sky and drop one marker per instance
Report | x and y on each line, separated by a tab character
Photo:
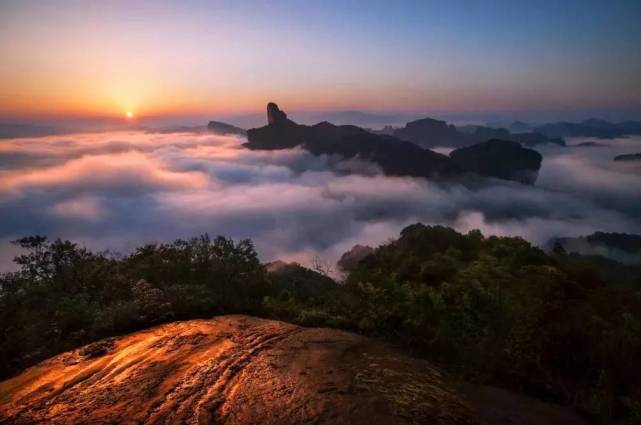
79	58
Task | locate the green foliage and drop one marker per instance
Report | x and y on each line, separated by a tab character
63	295
505	312
496	309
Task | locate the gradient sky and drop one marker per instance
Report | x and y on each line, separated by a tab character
104	58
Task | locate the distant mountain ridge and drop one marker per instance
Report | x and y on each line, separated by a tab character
592	127
395	156
500	158
219	127
622	247
628	157
430	133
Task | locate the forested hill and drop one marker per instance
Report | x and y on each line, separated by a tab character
490	309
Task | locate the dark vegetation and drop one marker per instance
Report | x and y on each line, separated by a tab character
492	310
64	295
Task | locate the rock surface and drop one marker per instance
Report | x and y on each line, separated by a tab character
500	158
236	370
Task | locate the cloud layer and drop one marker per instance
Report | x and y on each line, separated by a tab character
117	190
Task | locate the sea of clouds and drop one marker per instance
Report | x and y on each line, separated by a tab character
117	190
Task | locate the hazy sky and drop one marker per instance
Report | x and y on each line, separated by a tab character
188	57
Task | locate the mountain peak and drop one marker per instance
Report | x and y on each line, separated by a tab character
274	114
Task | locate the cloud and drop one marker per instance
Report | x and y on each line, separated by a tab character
117	190
83	208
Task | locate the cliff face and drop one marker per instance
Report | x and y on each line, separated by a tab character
232	369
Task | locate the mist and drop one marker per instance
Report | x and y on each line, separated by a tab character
117	190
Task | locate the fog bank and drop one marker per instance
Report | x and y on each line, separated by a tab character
117	190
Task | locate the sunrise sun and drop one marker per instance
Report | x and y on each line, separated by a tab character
129	115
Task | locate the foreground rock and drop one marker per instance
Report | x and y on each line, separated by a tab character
232	369
501	159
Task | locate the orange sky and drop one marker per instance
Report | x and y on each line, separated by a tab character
156	58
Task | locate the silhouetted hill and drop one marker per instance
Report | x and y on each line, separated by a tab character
589	144
520	127
224	128
590	128
429	133
483	134
395	157
628	157
500	158
506	160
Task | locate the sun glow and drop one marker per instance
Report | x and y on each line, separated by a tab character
129	115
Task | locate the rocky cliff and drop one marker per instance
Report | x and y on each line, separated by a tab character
235	370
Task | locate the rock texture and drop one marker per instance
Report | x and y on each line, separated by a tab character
500	158
235	370
429	133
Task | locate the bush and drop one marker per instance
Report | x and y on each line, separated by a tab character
64	296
